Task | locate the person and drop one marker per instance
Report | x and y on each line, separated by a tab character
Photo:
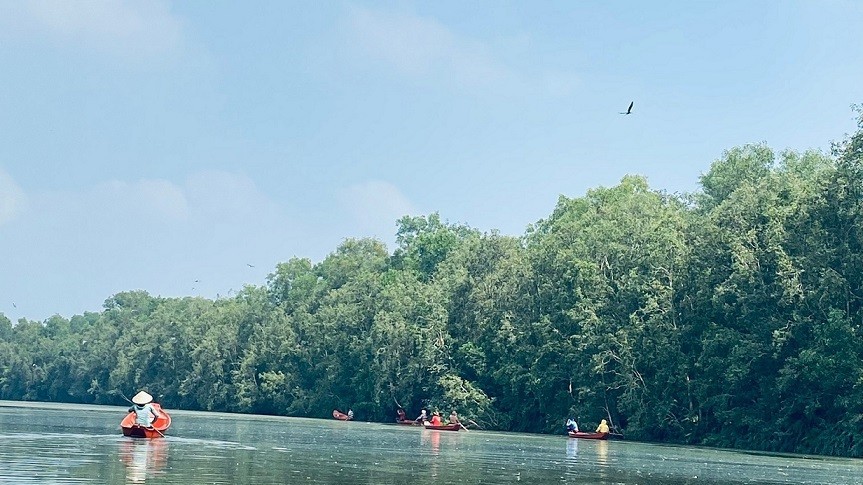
350	414
423	417
453	417
400	415
435	420
143	408
571	426
603	427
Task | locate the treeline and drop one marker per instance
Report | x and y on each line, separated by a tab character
730	317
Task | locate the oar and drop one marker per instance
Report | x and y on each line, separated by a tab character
463	426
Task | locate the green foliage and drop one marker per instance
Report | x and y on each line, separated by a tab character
730	317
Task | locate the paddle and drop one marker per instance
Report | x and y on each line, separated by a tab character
463	426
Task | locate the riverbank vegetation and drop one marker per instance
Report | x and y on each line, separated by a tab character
729	317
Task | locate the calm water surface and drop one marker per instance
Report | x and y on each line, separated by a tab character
53	443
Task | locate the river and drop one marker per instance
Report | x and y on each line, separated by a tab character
49	443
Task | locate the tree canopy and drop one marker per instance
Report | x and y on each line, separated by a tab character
729	317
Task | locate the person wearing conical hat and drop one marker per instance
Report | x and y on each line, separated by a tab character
143	408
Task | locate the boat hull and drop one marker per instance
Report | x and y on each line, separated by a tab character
407	422
340	415
588	436
160	425
444	427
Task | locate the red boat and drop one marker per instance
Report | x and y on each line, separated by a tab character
341	416
444	427
160	425
588	436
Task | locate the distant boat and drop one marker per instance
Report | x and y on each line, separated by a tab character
340	415
588	436
160	425
407	422
444	427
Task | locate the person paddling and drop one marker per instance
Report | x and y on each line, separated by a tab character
571	426
453	417
603	427
423	417
145	412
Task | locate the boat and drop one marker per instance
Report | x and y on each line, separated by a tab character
407	422
341	416
444	427
157	430
588	436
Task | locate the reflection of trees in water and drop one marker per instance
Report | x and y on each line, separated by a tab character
143	458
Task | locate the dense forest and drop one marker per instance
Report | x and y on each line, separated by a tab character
728	317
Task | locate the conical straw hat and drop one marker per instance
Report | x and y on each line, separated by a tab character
142	398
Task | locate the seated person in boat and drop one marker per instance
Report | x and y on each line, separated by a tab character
453	417
435	420
571	426
143	408
350	414
400	414
603	427
423	417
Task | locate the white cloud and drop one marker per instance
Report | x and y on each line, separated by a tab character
421	47
154	197
153	234
418	46
123	27
12	198
376	206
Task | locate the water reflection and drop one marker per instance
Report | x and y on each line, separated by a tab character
46	444
602	452
433	437
572	449
143	458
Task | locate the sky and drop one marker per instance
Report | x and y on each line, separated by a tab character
187	148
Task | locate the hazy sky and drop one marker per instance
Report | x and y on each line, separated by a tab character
149	144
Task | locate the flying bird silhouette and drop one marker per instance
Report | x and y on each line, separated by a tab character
629	110
14	305
249	265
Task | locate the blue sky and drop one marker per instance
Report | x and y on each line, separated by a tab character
147	145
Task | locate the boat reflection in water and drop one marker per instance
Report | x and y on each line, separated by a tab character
143	458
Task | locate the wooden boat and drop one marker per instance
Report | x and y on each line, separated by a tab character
340	415
444	427
160	425
588	436
407	422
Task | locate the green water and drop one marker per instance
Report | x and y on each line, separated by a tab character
53	443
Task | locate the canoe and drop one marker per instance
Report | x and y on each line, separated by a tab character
407	422
588	436
340	415
444	427
160	425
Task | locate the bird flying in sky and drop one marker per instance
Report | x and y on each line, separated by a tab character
629	110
